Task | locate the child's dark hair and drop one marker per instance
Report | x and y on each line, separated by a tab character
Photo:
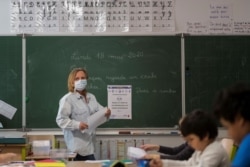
233	101
199	123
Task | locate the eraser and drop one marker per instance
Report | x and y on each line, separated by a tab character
124	132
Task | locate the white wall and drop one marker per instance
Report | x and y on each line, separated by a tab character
4	17
198	10
186	10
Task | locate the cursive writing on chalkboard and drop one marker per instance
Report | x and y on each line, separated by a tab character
100	55
139	90
148	76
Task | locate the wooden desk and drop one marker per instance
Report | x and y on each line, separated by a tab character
82	164
85	164
40	157
19	149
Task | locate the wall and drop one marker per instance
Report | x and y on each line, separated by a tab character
186	10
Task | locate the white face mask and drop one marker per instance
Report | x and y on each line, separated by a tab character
80	84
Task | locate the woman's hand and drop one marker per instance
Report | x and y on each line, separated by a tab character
83	126
107	113
150	147
156	163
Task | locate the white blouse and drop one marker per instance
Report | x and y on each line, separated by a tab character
214	155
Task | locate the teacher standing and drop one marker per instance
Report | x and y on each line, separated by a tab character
74	109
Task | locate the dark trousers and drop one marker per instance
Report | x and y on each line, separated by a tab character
84	158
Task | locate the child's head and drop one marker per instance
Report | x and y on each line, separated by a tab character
199	129
232	107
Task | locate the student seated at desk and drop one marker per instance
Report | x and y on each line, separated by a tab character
181	152
200	130
232	107
5	157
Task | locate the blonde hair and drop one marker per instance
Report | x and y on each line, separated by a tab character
71	77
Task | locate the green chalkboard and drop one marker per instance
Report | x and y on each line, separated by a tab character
150	64
11	78
214	62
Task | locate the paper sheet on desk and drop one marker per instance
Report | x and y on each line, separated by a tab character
96	120
7	110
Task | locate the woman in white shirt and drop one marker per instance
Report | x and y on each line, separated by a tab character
74	109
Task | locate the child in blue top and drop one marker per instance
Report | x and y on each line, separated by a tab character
232	107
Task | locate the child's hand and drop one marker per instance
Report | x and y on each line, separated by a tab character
156	162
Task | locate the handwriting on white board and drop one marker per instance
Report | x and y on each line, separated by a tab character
221	18
242	27
220	21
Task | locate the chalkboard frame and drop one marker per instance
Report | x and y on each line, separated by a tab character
197	96
130	46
